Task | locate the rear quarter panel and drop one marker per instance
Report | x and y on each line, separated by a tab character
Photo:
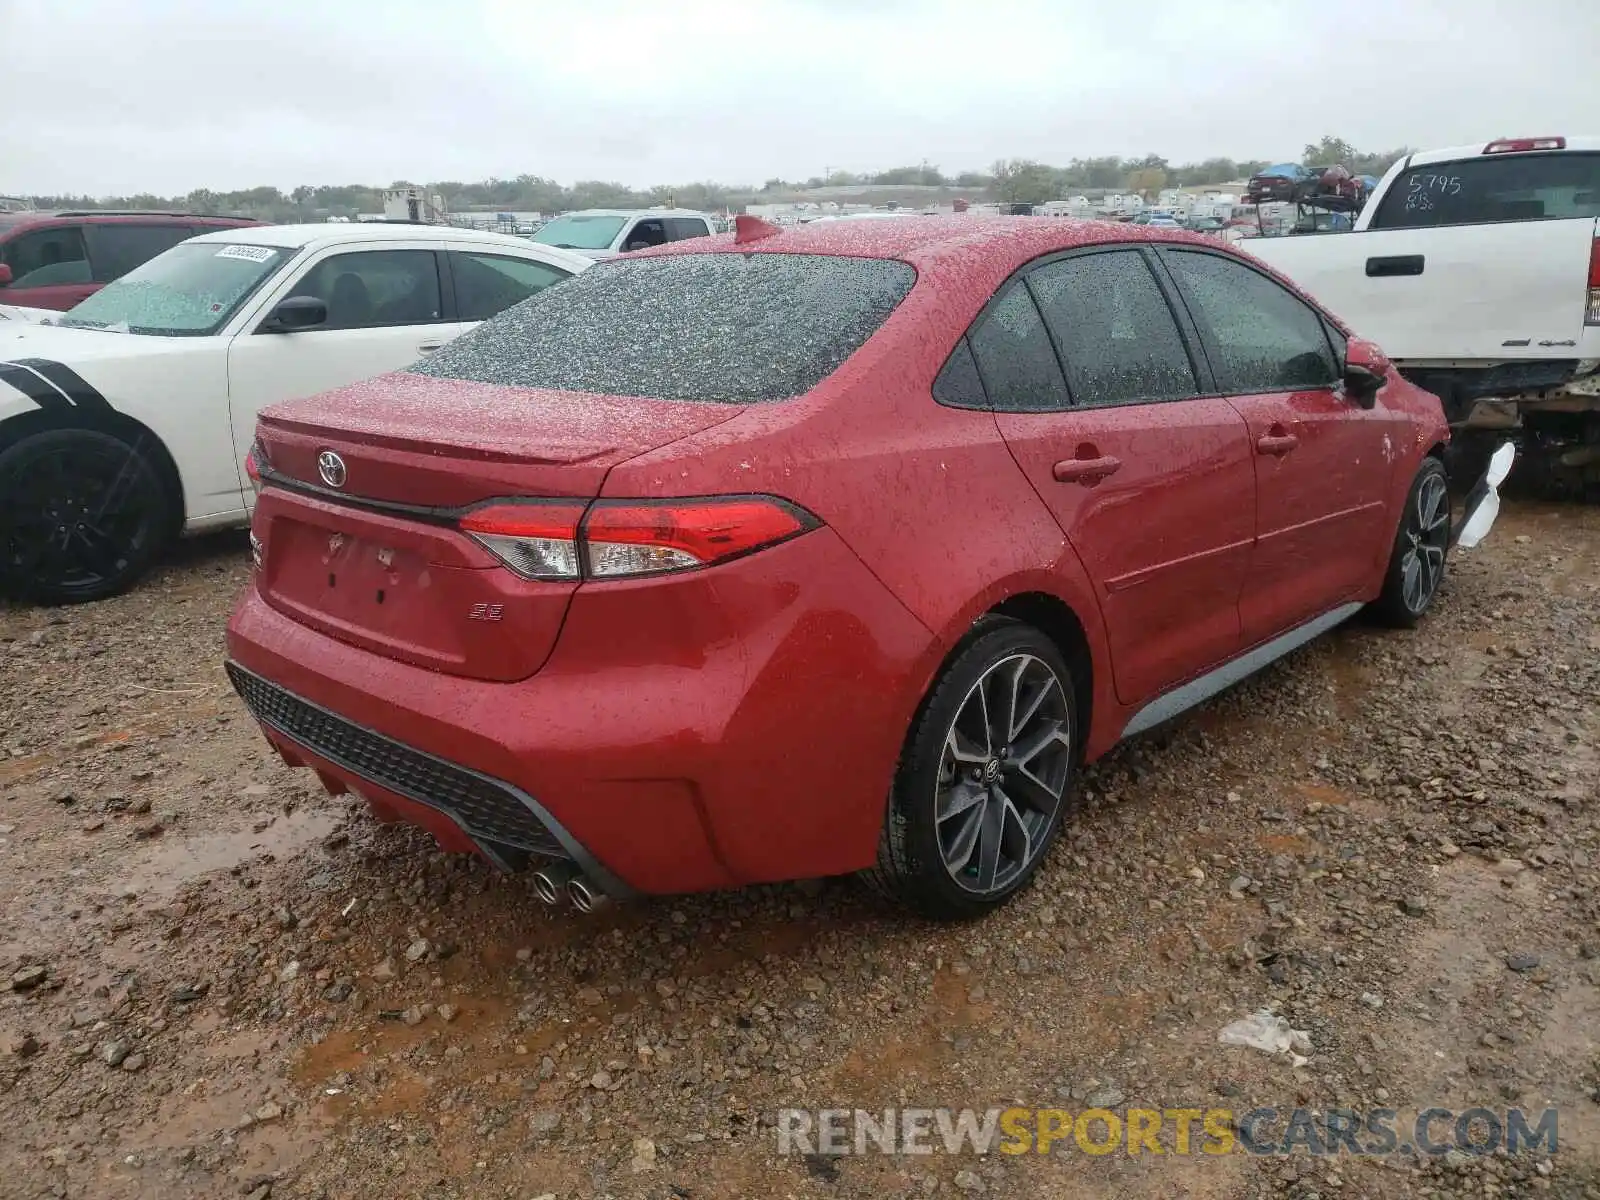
928	497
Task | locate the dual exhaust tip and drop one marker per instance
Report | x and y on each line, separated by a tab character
555	881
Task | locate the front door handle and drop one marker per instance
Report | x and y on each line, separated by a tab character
1276	444
429	347
1086	470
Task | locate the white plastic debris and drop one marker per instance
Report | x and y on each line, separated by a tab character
1266	1031
1481	519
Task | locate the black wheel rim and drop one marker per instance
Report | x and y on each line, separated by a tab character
1002	774
1427	535
75	518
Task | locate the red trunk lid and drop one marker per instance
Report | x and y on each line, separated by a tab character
378	562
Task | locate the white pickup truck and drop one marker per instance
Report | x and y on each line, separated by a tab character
1477	269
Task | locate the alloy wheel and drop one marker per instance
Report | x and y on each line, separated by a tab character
1427	535
1003	773
73	518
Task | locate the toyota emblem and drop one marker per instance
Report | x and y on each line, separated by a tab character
331	467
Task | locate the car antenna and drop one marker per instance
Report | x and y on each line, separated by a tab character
752	229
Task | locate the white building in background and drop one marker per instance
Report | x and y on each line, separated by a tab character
1122	204
410	204
1073	206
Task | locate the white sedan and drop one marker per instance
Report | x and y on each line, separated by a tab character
126	420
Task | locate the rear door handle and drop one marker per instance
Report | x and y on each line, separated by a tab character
1086	470
429	347
1276	444
1395	264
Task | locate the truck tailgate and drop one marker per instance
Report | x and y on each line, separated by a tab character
1503	291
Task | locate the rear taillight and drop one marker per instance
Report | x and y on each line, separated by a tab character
620	539
1591	314
537	540
630	538
253	460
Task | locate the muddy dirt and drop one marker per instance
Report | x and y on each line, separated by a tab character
217	981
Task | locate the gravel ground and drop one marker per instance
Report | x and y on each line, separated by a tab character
217	981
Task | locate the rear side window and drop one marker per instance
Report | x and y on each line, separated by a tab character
959	384
487	284
731	328
682	228
1495	187
1015	358
1260	336
1118	338
118	249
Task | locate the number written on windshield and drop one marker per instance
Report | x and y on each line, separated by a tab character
1423	186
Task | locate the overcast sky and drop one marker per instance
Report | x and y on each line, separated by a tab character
123	96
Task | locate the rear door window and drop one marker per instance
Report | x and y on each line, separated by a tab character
487	284
47	257
680	229
1493	188
1015	358
116	249
731	328
1118	337
1259	336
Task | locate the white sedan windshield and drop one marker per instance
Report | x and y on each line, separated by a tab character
189	291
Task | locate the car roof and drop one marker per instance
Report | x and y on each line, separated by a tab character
632	212
343	233
11	220
1475	150
925	241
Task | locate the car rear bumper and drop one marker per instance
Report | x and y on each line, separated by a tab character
709	730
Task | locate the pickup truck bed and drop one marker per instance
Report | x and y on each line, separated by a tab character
1477	269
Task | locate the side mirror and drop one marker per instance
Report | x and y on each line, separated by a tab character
1365	369
5	275
295	313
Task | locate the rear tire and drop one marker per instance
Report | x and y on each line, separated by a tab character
984	779
1421	545
82	516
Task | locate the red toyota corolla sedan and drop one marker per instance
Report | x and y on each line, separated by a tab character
794	553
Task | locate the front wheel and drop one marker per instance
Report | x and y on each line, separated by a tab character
1417	562
82	515
984	779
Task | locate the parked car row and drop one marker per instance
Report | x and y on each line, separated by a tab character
580	564
126	420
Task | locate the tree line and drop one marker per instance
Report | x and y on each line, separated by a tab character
1011	180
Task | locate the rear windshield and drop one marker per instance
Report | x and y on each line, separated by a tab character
1503	187
732	328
